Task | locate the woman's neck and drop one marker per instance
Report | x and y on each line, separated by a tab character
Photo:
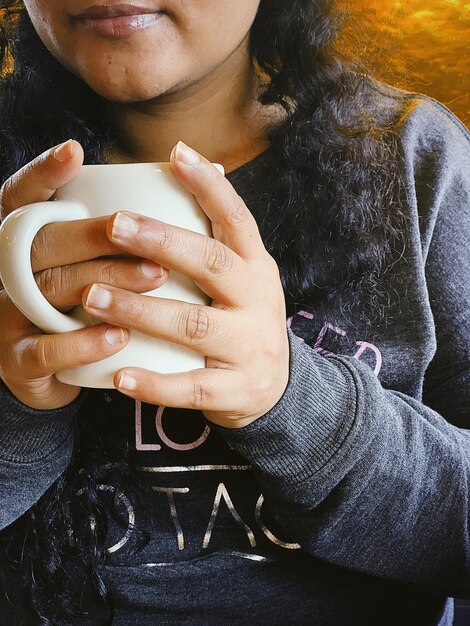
219	116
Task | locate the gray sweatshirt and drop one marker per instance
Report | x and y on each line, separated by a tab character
345	504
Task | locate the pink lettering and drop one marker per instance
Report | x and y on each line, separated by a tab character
363	346
139	445
327	327
182	447
302	313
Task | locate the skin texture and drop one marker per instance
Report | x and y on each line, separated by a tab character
29	358
177	80
204	92
243	333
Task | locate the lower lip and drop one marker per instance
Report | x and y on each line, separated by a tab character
122	26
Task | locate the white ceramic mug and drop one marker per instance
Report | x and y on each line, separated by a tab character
97	190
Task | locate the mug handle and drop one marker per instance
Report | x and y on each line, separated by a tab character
17	232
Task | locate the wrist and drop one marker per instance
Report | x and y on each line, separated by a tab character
29	434
39	396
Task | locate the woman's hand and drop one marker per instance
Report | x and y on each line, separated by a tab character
243	333
29	358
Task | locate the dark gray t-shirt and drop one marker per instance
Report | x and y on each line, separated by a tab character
347	503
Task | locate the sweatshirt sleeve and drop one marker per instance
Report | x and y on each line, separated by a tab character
366	477
35	449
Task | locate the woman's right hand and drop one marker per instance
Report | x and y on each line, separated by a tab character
64	260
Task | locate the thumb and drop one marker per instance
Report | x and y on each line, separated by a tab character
38	180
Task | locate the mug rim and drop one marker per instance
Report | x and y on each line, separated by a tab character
165	164
158	165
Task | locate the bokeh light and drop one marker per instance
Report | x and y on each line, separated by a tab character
427	41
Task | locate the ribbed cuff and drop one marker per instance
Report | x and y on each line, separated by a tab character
308	425
27	434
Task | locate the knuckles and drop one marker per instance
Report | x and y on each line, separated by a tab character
201	393
38	247
239	212
50	282
166	238
218	259
194	324
108	273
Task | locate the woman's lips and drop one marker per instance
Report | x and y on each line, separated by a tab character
117	21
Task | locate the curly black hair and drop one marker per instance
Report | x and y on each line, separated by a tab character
336	171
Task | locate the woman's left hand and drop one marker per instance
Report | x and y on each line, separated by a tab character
242	333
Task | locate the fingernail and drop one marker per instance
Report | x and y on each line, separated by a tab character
151	269
124	226
98	298
115	336
127	382
185	154
64	152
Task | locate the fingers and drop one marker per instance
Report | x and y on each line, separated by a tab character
216	269
37	356
203	329
63	286
52	244
207	389
39	179
232	222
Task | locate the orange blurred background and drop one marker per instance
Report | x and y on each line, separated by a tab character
422	45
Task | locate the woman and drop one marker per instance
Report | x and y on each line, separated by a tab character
317	471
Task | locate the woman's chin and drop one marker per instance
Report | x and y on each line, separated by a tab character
125	93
